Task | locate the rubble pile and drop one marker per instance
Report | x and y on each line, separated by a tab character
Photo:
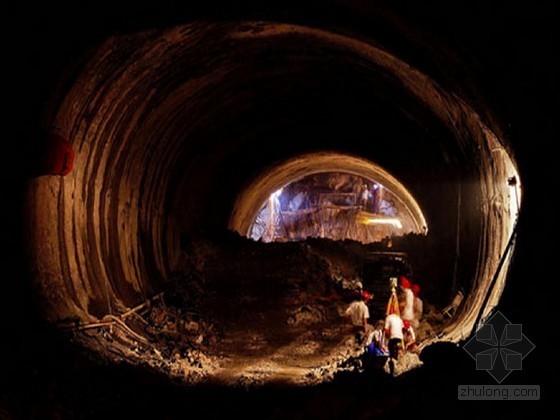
242	313
161	337
405	362
432	321
348	359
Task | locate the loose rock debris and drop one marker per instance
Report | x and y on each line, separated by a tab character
245	314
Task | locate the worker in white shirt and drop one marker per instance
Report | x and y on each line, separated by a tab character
358	312
394	329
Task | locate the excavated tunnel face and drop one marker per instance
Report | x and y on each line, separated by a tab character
190	129
350	177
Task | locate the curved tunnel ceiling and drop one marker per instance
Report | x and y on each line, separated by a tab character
163	119
250	201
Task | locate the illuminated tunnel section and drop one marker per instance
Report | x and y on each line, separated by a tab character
247	207
172	128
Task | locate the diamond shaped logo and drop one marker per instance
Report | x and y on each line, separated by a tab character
499	357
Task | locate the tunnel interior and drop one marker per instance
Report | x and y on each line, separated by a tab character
338	206
179	135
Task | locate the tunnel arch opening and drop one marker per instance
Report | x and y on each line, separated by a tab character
245	212
161	120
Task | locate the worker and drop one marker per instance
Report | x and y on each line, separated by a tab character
408	300
358	314
365	196
418	305
375	342
394	330
377	198
374	347
409	337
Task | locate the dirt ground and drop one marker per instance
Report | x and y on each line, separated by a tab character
241	313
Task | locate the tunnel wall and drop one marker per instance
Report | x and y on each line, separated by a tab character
105	236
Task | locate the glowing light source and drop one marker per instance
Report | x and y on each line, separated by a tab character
378	221
276	193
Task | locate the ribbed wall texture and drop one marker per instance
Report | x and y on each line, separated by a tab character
158	122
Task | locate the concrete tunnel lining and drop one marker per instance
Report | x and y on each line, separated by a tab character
106	233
